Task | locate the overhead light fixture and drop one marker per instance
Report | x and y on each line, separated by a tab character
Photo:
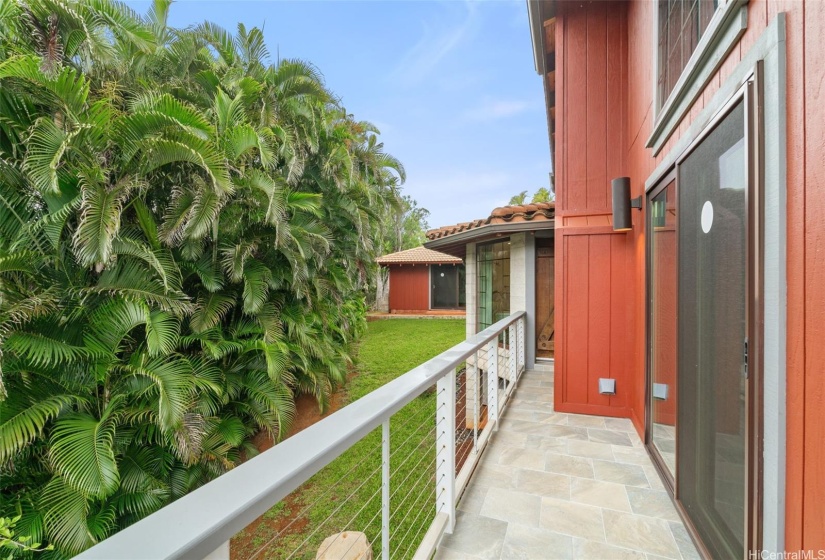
622	203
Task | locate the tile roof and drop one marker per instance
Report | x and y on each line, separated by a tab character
418	255
535	212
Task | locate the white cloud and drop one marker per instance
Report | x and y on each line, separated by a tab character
439	38
492	109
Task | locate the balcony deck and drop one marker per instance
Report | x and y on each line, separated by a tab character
554	485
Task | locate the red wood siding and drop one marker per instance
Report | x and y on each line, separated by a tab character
805	482
409	287
605	79
594	276
593	313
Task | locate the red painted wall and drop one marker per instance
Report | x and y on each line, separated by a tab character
409	287
604	88
805	21
594	324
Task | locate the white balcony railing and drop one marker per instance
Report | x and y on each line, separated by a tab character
473	382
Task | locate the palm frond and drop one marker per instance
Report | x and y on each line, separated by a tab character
256	278
65	512
160	152
43	350
162	332
47	145
100	212
209	275
82	452
22	422
172	381
209	310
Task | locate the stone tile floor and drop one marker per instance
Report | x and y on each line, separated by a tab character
553	485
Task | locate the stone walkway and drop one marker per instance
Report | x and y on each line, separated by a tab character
553	485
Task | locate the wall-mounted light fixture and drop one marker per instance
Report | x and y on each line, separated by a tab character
622	203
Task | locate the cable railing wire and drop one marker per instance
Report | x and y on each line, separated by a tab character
336	510
422	426
330	516
346	525
420	511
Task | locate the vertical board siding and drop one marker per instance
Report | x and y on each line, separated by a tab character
598	334
577	313
594	278
595	154
594	322
813	529
575	114
798	449
621	297
409	288
605	77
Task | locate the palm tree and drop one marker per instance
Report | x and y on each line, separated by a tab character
186	233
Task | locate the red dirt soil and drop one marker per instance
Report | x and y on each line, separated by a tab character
307	414
242	545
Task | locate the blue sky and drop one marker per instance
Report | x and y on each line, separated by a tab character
450	84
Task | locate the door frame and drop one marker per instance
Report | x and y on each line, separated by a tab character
750	92
668	478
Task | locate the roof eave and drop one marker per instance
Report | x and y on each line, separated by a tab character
536	33
422	263
462	238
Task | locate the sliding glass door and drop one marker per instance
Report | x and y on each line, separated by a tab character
663	389
447	286
713	248
700	399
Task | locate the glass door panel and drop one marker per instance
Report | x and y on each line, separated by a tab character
662	309
712	326
493	283
444	286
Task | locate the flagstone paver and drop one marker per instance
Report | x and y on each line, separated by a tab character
555	485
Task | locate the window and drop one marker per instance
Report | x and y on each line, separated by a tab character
493	283
681	25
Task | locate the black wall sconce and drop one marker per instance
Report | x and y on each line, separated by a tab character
622	203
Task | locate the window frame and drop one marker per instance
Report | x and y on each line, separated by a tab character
726	27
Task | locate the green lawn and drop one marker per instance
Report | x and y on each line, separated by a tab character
346	494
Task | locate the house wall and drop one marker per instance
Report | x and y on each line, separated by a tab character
605	77
805	230
595	278
523	287
470	279
409	287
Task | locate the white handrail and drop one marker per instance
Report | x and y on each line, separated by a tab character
201	522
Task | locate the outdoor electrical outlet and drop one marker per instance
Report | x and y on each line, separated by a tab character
607	386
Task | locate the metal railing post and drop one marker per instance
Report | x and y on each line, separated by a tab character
492	383
511	355
476	400
445	448
520	345
385	490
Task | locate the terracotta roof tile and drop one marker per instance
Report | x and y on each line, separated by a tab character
418	255
538	211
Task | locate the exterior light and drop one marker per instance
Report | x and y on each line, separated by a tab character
622	203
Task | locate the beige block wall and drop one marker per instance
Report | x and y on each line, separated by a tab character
518	302
518	276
